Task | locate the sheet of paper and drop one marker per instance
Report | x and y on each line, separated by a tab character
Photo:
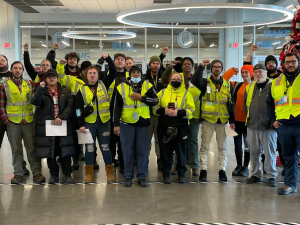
229	132
54	130
85	138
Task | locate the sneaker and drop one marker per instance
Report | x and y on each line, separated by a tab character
75	165
203	176
236	171
195	172
17	179
244	172
38	178
81	156
285	190
26	171
272	182
253	180
174	171
181	180
53	180
222	176
69	180
127	183
166	180
143	183
96	165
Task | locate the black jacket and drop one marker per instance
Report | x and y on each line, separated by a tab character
45	146
28	66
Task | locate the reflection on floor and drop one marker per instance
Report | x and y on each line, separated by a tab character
101	203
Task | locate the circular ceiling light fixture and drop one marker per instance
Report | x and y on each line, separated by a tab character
99	35
287	15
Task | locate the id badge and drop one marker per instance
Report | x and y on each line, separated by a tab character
135	116
285	99
280	101
208	90
54	100
78	112
208	103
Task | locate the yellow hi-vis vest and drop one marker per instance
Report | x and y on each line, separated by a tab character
280	88
249	90
133	110
196	96
182	97
103	103
18	104
112	86
70	82
214	104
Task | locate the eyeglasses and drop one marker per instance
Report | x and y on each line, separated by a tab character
217	67
289	62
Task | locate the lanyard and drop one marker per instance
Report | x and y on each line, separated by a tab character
287	86
154	82
135	101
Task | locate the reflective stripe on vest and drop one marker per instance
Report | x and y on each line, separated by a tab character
249	90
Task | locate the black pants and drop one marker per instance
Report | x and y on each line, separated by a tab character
75	126
241	129
114	140
2	131
179	144
65	162
279	149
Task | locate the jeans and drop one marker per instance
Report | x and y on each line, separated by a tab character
153	130
241	130
289	138
135	138
101	131
16	133
193	149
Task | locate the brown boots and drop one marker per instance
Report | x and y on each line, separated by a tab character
110	173
89	174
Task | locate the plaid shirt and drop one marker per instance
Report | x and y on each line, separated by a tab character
55	95
3	98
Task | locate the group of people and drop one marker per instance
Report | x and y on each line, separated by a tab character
123	109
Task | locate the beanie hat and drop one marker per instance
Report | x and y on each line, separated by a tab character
134	68
249	68
85	65
271	58
214	62
119	54
154	58
259	67
51	72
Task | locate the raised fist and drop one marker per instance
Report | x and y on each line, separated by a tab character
173	63
63	61
164	50
26	46
42	84
37	69
254	47
205	62
105	55
55	46
235	69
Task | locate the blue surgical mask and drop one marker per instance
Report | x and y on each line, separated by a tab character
135	80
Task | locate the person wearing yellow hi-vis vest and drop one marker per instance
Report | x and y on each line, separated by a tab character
17	113
259	129
284	114
187	65
131	119
217	109
175	109
92	110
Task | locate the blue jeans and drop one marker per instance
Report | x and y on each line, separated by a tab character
289	138
135	138
101	131
193	148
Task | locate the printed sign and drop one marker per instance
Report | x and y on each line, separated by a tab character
185	39
58	38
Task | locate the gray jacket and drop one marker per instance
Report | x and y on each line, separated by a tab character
258	117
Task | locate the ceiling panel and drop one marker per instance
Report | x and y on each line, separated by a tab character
212	11
143	3
43	9
74	6
91	6
126	4
110	6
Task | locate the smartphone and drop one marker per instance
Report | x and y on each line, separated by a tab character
171	105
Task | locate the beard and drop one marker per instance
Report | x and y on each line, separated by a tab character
4	68
272	70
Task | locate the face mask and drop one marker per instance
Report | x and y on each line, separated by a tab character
135	80
175	84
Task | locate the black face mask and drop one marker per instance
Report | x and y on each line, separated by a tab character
178	68
175	84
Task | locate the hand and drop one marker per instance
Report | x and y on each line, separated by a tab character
117	131
165	50
235	69
205	62
57	122
26	46
63	61
136	97
42	84
254	48
172	63
276	124
232	126
55	46
174	112
82	130
37	69
105	55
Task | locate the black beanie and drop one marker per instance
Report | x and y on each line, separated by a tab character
85	65
214	62
271	58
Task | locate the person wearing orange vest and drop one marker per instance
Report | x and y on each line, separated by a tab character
284	114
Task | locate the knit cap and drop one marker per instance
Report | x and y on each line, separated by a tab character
249	68
154	58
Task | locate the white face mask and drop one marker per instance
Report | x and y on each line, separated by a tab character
135	80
